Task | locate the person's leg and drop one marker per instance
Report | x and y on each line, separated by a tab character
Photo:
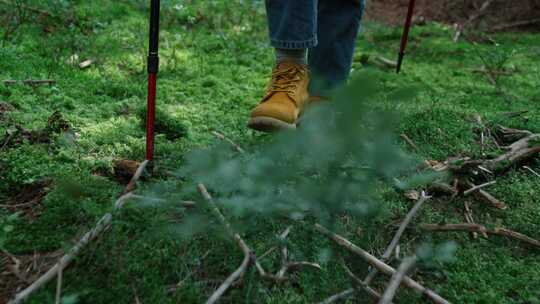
330	61
293	29
292	24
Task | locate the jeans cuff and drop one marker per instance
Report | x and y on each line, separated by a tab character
294	45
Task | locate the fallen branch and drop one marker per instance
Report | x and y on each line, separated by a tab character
58	296
470	220
514	113
380	265
286	265
523	146
186	204
102	225
395	240
483	70
393	286
518	152
461	28
15	268
232	143
531	170
410	142
30	81
138	173
28	8
482	229
514	24
488	198
249	257
338	297
361	283
388	63
479	187
85	64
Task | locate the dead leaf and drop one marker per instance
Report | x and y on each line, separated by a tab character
86	63
412	195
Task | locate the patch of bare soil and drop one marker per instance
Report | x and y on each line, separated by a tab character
489	15
4	108
19	271
124	170
29	198
16	135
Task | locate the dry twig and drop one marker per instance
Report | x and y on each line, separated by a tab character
476	188
286	265
232	143
28	8
387	63
483	230
518	152
395	240
338	297
531	170
30	81
58	288
514	24
488	198
380	265
461	28
249	257
361	283
410	142
469	218
102	225
393	286
138	173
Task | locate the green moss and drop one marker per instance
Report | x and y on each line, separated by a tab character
215	64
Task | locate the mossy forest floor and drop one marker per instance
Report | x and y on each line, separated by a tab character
215	64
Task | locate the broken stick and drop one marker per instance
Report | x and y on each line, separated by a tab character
361	283
249	257
102	225
393	286
488	198
380	265
395	240
482	229
30	81
339	296
232	143
531	170
476	188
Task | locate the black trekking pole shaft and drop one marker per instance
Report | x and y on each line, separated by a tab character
153	58
153	67
405	35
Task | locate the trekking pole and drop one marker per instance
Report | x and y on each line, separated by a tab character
153	67
405	36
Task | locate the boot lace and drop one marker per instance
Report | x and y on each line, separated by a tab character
286	80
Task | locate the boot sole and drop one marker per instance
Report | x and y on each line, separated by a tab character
269	124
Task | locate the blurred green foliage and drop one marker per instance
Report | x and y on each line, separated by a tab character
215	61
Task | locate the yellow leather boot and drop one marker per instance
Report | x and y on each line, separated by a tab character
285	98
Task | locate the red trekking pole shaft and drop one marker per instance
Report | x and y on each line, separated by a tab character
153	67
405	36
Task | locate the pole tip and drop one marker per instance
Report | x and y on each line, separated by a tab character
399	62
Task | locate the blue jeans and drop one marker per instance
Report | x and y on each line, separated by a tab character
328	28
